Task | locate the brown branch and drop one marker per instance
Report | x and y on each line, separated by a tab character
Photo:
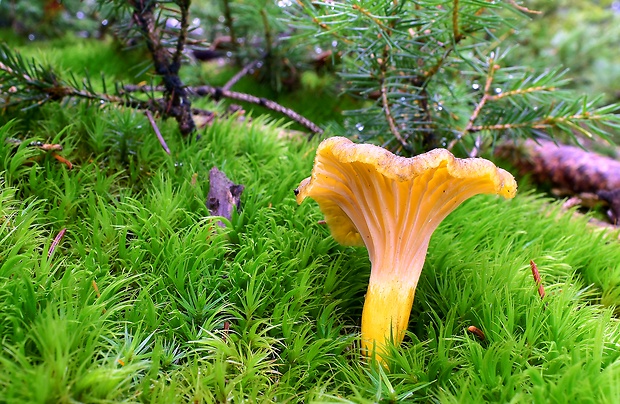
182	38
384	98
218	93
161	139
246	69
231	30
455	22
144	17
485	97
523	8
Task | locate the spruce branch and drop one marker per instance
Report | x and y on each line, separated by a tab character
239	75
485	97
456	34
228	20
264	102
418	63
144	17
218	93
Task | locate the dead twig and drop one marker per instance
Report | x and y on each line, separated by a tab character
523	8
161	139
218	93
239	75
486	96
179	104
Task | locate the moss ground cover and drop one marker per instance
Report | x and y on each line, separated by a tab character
146	299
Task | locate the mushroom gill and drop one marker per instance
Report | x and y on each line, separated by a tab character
392	205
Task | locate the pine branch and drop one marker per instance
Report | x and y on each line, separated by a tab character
239	75
178	100
218	93
228	19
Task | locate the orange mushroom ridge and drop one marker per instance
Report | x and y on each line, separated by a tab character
392	205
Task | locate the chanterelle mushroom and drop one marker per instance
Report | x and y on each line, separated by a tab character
392	205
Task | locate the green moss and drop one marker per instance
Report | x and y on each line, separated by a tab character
146	298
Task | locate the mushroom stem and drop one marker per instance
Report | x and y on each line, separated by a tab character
394	302
389	299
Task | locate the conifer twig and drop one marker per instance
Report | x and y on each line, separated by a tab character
161	139
144	17
485	97
182	38
218	93
523	8
384	98
234	79
456	34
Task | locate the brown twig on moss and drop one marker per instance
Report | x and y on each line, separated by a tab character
161	139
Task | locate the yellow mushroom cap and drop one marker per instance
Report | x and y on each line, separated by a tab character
392	205
352	182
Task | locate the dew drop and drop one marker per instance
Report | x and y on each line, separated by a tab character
359	126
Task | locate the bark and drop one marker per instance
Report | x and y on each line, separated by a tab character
224	195
569	168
